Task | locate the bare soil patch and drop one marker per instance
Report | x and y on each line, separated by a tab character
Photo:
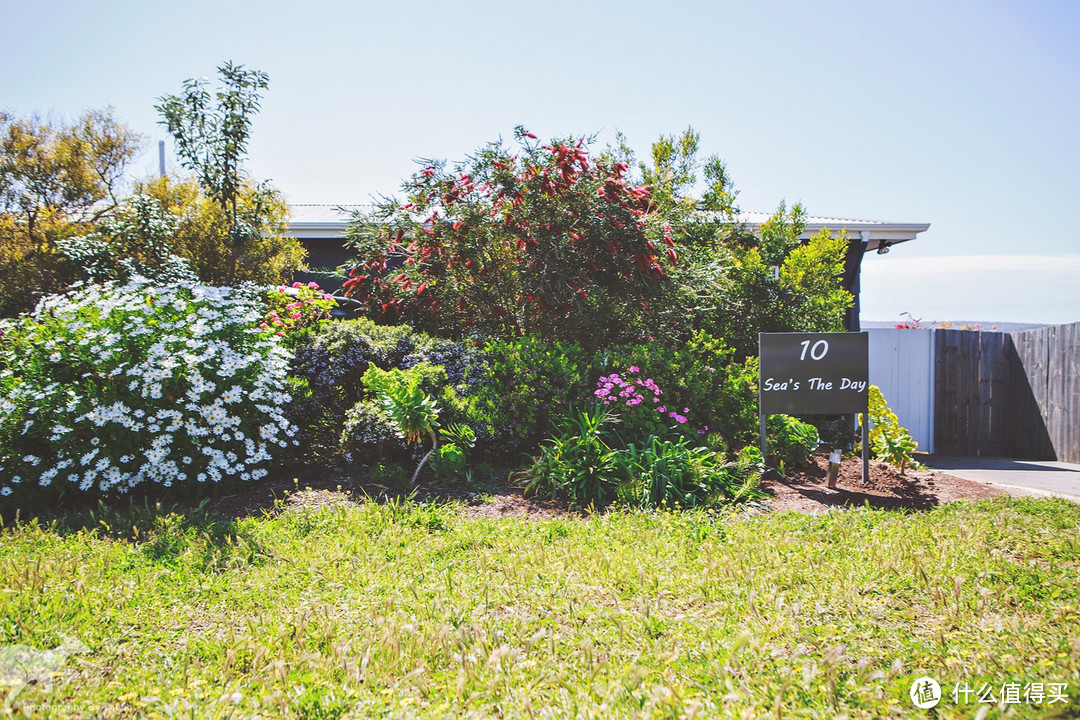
313	487
805	489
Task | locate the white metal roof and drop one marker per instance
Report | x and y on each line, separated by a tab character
329	221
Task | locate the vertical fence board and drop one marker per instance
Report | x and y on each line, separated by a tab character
1028	393
944	399
969	364
994	391
1063	391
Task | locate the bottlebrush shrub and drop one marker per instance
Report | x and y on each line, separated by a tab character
110	387
544	239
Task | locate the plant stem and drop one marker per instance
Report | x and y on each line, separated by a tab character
434	447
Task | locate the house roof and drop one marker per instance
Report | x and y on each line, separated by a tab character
329	221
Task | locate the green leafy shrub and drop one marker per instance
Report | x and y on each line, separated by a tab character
370	435
111	387
451	459
328	365
671	473
889	442
412	411
522	389
583	464
388	473
578	463
790	440
135	242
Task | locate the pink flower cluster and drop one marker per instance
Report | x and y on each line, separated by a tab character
286	314
674	414
630	390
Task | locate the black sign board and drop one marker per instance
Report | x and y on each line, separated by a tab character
813	373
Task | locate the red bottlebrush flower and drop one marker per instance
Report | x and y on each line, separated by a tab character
529	135
429	171
671	254
457	224
422	288
400	236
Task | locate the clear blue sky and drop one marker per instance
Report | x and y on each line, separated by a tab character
962	114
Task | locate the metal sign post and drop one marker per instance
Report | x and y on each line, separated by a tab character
815	374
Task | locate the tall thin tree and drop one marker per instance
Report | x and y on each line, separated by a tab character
211	134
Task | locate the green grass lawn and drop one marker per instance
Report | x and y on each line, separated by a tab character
409	610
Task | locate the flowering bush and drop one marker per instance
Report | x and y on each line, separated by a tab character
109	387
543	239
292	309
636	402
707	397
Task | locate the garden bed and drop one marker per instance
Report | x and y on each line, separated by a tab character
803	490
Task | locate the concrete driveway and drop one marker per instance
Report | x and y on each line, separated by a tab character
1034	477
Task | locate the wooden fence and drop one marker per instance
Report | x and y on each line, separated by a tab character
1008	394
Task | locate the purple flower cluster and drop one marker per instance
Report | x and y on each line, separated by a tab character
674	414
631	391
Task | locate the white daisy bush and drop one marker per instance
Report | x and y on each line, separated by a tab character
109	387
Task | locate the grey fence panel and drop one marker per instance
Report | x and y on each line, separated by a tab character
1008	395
